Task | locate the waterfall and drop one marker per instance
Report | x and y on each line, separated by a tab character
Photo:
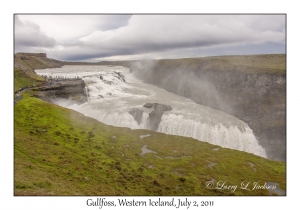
230	137
113	92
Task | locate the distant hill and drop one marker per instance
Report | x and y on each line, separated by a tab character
260	64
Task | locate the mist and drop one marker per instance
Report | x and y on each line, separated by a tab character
184	82
117	97
251	88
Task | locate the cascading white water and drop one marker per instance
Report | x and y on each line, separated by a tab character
230	137
111	99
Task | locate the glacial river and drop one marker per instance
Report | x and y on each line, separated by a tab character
113	91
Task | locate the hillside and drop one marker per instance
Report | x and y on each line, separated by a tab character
26	63
58	151
260	64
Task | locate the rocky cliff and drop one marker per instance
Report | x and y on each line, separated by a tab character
49	90
28	62
252	88
71	89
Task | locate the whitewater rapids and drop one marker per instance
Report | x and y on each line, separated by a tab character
113	91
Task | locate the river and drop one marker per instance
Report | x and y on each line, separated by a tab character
113	92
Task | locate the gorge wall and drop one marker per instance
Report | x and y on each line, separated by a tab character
252	88
26	63
69	89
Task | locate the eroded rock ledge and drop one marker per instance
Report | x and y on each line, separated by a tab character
72	89
154	116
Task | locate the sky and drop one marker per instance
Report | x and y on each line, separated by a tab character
96	38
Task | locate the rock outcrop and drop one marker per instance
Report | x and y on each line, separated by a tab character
120	76
40	55
137	114
154	116
72	89
28	62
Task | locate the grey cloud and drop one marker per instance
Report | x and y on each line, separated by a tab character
111	22
69	28
142	34
29	34
155	33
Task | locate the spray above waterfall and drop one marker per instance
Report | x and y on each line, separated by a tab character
118	98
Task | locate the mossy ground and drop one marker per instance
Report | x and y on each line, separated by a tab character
257	64
22	80
58	151
24	74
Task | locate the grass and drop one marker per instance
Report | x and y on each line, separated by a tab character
24	74
58	151
259	64
22	80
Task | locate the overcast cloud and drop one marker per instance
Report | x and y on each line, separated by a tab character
114	37
28	34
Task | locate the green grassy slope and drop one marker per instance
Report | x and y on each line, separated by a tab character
22	80
260	64
24	66
61	152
